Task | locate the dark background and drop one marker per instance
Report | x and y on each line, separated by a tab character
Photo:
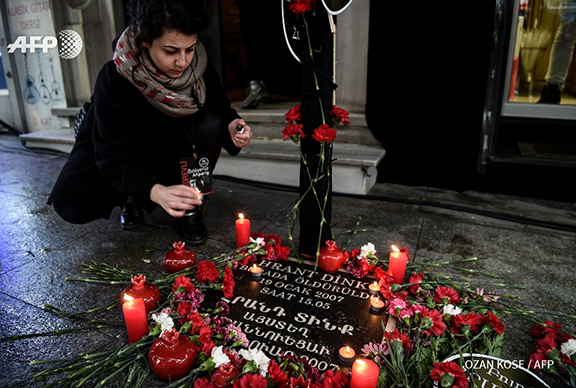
427	77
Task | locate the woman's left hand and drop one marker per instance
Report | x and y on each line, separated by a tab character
240	138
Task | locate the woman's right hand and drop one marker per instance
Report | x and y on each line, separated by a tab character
176	199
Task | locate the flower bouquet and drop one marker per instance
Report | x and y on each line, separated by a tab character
192	342
555	352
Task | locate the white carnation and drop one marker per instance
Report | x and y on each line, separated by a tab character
451	309
164	320
259	359
259	241
220	358
569	347
368	249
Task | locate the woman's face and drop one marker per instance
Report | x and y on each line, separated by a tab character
172	52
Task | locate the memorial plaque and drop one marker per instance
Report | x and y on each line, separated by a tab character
293	309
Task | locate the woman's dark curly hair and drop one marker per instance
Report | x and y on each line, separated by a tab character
153	17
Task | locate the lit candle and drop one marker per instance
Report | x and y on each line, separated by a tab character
374	288
256	272
242	231
346	354
364	374
135	316
376	306
397	266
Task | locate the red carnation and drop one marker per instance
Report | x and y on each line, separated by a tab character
340	116
202	383
438	325
251	381
379	272
293	131
293	114
324	133
567	360
398	336
196	320
449	372
273	239
416	279
279	377
256	235
206	272
493	320
205	339
301	382
546	344
331	379
228	283
537	359
446	295
472	319
184	282
301	6
184	309
549	327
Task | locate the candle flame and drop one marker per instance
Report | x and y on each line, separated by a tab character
361	363
347	349
254	266
395	248
241	216
128	297
375	284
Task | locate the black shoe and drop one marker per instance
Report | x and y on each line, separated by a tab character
257	92
131	215
550	94
192	227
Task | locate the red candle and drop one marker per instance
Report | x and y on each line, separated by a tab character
364	374
242	231
397	266
135	316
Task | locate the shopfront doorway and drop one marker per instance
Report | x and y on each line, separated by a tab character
254	48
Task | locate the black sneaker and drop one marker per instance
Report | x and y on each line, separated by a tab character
257	92
131	215
550	94
192	227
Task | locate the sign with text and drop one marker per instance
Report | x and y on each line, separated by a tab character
32	42
294	309
488	371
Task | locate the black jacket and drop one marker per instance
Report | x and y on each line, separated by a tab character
125	146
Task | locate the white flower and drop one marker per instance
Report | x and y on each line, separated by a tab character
164	319
220	358
259	241
451	309
569	347
367	250
259	359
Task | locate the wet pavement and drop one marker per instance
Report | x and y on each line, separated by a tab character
529	242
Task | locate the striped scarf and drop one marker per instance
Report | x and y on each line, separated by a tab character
172	96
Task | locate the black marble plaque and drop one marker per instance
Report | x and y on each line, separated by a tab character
293	309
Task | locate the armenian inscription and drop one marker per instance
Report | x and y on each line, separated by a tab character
294	309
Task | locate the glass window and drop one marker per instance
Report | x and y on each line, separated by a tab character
541	74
